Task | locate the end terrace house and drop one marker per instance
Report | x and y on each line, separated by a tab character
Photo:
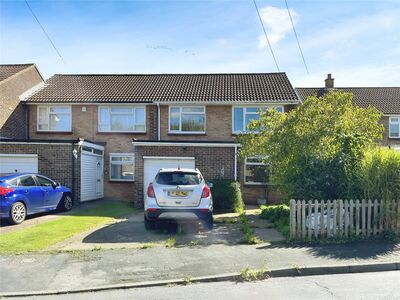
147	122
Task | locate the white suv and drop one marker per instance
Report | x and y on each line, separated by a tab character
179	195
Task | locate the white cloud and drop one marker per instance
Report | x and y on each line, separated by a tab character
277	24
222	41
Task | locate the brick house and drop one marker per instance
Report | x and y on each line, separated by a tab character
16	82
385	99
146	122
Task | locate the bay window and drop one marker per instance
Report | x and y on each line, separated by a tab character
394	127
243	115
121	167
256	171
187	119
122	119
54	118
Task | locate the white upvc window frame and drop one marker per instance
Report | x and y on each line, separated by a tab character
261	163
48	114
391	122
180	119
245	108
120	163
109	107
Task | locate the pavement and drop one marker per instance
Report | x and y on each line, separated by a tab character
382	285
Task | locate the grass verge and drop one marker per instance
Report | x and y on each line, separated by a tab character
279	216
40	237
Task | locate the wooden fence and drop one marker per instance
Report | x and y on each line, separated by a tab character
342	218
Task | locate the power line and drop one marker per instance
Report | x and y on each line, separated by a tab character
44	31
266	36
297	39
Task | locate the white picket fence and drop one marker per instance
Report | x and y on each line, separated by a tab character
342	218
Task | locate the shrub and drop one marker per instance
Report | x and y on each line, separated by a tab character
227	196
279	215
378	176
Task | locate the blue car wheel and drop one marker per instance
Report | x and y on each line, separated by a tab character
17	213
66	203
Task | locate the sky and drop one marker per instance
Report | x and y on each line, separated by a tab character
357	41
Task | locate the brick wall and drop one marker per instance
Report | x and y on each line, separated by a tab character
54	161
13	121
85	125
213	162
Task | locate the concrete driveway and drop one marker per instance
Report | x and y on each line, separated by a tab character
131	233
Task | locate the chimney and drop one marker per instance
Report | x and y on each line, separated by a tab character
329	82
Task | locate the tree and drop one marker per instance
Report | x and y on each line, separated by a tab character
314	149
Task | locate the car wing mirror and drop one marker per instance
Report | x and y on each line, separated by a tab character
210	185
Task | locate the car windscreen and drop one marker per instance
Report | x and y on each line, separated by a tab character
178	178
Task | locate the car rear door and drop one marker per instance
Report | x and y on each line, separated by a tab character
28	189
184	194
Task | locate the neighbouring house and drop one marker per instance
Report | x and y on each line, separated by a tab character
385	99
121	129
16	82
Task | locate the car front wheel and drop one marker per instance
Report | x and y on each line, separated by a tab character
17	213
66	203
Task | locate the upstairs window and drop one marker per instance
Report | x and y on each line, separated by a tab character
394	127
122	119
54	118
187	119
256	171
243	115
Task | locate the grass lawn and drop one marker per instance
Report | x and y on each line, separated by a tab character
41	236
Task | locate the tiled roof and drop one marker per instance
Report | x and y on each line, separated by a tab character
386	99
263	87
10	70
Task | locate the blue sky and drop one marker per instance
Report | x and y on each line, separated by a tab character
357	41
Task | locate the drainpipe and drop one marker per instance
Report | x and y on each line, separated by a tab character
235	164
158	122
73	173
27	112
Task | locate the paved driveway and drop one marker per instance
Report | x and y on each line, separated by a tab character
130	233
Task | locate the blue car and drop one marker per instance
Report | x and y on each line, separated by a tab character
23	194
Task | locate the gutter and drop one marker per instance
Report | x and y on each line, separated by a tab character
180	144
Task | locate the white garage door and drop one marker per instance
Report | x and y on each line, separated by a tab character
91	176
11	163
153	164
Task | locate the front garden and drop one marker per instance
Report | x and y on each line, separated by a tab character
327	149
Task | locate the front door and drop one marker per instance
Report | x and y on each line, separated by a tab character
99	176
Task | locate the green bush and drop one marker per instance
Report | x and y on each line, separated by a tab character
279	215
227	196
378	176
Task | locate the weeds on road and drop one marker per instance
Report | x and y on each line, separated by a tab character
248	274
147	245
171	242
187	280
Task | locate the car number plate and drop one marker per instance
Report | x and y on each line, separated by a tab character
178	193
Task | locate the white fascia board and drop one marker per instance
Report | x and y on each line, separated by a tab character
94	146
31	91
91	103
168	157
36	143
18	155
193	144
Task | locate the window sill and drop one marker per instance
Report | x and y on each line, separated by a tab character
122	132
49	131
187	133
394	138
120	181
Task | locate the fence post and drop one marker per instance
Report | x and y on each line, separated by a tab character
346	218
292	219
369	217
375	220
352	217
317	220
334	217
309	219
303	219
363	216
322	219
298	226
358	223
340	212
328	219
398	216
